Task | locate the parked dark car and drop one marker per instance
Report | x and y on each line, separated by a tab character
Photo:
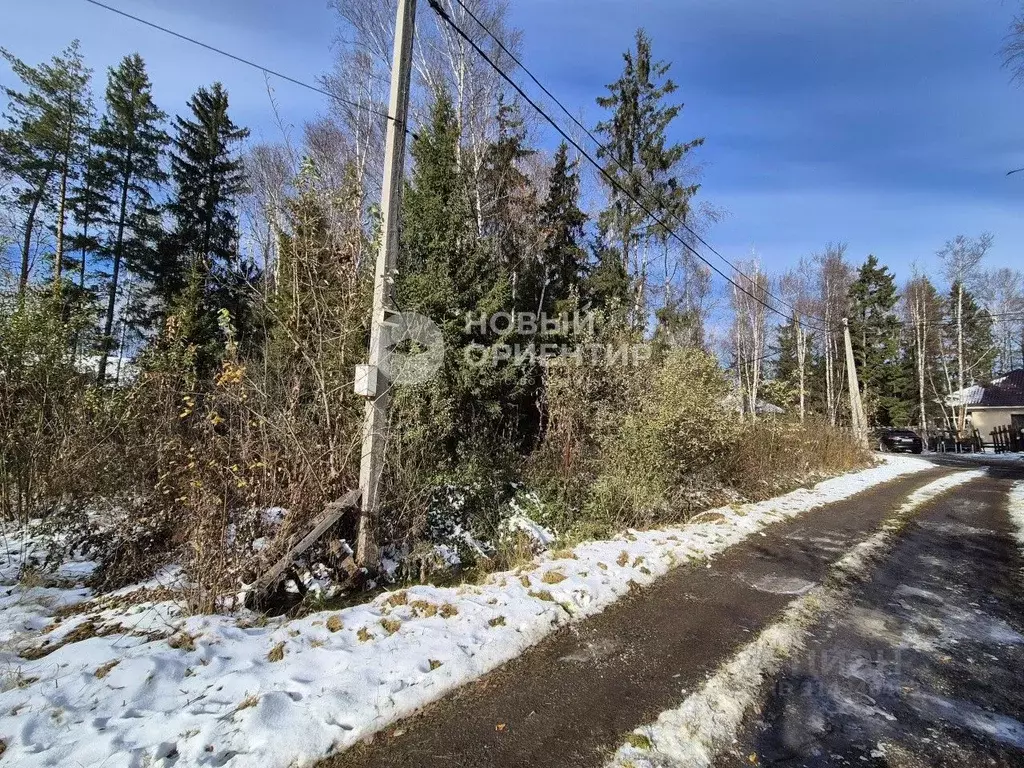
899	440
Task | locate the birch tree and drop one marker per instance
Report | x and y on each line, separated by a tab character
749	305
833	279
961	260
796	287
1002	294
922	311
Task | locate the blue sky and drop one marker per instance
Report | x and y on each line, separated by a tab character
887	124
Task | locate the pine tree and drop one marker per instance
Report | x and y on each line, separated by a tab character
69	79
131	141
90	202
563	261
643	164
874	330
42	146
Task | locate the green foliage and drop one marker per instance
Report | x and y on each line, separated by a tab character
131	142
48	123
563	260
875	331
469	412
40	394
199	269
640	159
665	454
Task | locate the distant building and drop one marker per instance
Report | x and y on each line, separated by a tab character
997	404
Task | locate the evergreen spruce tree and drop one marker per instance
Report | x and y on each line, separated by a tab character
131	141
607	285
786	368
509	212
473	409
643	164
200	270
875	332
563	260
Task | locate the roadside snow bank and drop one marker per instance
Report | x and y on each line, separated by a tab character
214	690
692	735
1017	512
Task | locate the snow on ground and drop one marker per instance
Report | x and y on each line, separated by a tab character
137	683
1017	512
988	457
692	735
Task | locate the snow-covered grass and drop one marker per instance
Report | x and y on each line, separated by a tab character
137	683
692	735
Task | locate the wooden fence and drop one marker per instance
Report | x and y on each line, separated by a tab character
1007	440
951	441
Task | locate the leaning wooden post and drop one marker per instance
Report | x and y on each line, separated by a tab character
857	417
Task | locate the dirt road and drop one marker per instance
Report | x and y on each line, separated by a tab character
925	668
571	699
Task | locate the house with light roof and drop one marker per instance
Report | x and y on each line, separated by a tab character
999	403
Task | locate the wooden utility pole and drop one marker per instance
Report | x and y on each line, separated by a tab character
857	417
370	380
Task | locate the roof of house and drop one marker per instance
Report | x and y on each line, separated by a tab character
1005	392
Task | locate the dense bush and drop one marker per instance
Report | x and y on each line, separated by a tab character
650	444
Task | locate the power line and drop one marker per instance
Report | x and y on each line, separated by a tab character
615	160
247	62
611	180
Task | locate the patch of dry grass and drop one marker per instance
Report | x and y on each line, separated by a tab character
276	653
104	669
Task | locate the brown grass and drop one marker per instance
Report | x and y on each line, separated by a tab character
423	608
276	653
249	701
104	669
